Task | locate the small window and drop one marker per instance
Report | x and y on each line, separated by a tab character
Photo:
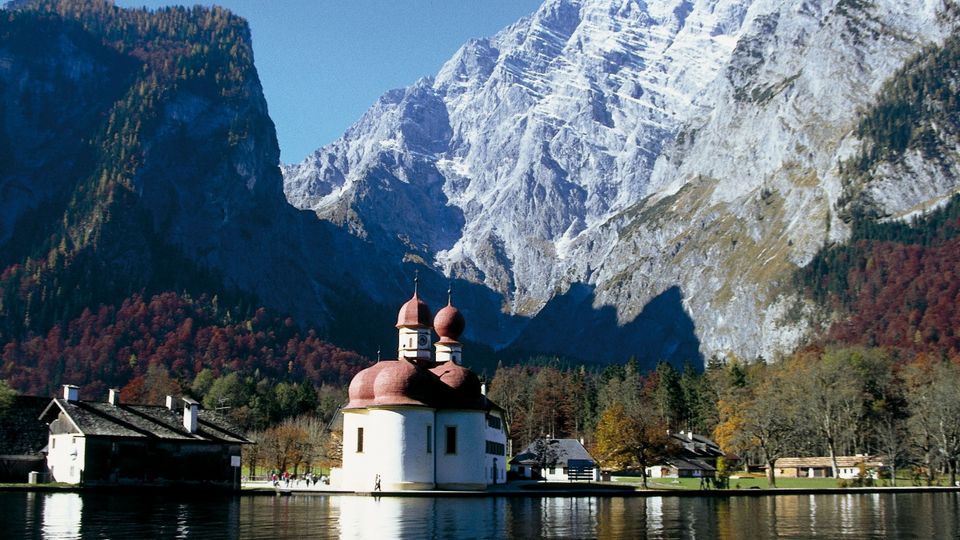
550	470
495	448
359	440
451	439
429	439
53	442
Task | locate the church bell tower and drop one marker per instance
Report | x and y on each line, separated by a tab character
414	325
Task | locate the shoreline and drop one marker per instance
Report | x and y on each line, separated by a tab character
507	491
600	491
536	493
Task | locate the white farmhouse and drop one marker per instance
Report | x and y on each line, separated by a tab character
422	421
556	460
96	444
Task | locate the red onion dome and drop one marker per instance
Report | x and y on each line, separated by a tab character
461	380
361	386
414	312
449	323
403	383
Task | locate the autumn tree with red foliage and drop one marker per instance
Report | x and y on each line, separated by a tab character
144	342
896	284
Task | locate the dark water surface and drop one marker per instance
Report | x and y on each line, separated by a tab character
170	515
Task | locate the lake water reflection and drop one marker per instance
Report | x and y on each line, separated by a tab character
170	515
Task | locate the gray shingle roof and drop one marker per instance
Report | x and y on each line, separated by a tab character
100	419
690	464
21	433
693	446
557	452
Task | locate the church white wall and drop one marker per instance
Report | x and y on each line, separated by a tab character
394	447
403	446
66	457
468	467
496	465
356	473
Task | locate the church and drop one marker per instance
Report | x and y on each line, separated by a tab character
422	421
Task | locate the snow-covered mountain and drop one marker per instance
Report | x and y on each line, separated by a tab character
616	168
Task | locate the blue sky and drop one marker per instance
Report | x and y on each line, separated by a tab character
324	62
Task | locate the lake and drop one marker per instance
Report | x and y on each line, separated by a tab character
167	515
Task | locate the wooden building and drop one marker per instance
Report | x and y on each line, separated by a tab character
849	467
113	444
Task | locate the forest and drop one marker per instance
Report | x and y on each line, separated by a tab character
89	239
821	401
173	344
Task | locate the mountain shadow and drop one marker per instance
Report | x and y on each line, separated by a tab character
570	325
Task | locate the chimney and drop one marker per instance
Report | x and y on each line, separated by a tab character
190	414
113	397
170	403
71	392
483	388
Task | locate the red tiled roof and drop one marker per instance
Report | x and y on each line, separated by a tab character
427	384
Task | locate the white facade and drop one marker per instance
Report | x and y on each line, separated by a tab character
556	460
461	452
495	446
552	474
851	473
413	448
448	351
66	456
390	442
413	343
422	421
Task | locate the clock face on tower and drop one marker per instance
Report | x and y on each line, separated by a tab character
422	341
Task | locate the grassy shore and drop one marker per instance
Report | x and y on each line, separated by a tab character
751	482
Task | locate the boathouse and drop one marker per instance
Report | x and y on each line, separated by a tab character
109	443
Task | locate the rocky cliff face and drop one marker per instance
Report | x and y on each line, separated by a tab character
601	157
136	154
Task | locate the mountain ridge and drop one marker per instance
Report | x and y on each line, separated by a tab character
633	148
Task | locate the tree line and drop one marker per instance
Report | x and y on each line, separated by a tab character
829	401
262	367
